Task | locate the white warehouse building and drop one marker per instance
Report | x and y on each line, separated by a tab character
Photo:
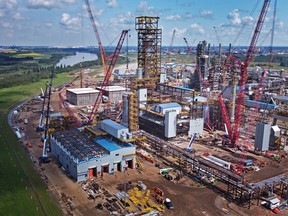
84	156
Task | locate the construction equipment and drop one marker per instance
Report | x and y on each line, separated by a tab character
189	147
189	48
44	157
102	52
69	110
108	75
113	60
243	78
170	47
119	113
65	104
244	73
40	125
225	115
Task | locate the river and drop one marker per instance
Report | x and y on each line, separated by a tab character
75	59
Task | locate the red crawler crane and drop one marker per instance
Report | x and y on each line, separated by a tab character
108	75
113	60
235	133
102	52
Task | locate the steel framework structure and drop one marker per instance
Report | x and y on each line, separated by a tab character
149	47
149	59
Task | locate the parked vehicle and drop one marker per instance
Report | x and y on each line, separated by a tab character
168	203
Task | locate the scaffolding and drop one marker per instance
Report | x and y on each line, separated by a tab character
133	112
149	60
149	47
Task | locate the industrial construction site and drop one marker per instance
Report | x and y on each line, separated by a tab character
207	136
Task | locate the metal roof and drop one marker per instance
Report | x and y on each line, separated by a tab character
113	124
55	115
169	105
112	88
79	145
83	90
107	144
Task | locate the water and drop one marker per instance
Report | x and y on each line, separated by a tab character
75	59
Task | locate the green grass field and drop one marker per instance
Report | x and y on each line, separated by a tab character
22	191
30	54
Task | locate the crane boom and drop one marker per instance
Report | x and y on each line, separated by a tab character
170	47
244	73
108	74
225	116
243	77
69	110
44	157
102	52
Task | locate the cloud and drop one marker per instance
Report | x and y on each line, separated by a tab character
199	29
126	18
187	4
248	20
280	24
48	24
48	4
17	16
144	8
6	24
173	17
188	15
179	32
69	22
206	13
112	3
234	17
7	7
98	12
8	4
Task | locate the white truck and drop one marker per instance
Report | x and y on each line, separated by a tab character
271	203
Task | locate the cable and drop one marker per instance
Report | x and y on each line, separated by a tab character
245	24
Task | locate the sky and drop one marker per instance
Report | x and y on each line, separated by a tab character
66	22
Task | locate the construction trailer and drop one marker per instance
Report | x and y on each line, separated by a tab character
84	156
81	96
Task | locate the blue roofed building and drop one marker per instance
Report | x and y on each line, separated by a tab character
85	155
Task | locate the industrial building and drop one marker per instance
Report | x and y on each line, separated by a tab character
114	93
213	99
81	96
88	152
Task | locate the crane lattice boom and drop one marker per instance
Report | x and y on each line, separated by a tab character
102	52
108	74
243	77
170	47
